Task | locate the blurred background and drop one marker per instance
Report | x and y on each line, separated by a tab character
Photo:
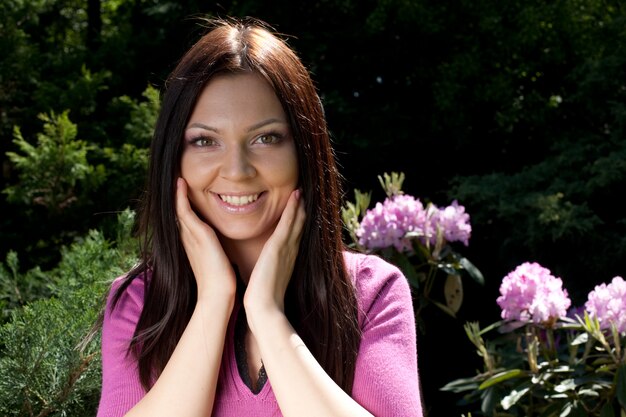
517	109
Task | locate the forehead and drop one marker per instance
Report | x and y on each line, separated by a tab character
248	86
241	92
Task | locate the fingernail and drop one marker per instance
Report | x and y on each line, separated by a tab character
297	194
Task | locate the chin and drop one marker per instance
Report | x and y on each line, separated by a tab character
239	235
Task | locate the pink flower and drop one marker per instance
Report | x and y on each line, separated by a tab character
608	304
388	224
531	293
455	223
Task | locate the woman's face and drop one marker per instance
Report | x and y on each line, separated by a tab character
239	157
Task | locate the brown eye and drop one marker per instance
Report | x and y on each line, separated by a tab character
268	139
202	142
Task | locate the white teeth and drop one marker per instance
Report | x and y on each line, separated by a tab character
239	200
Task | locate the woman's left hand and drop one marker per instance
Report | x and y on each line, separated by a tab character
272	272
301	386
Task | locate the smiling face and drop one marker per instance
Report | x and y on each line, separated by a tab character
239	157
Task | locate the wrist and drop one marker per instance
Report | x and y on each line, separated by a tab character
217	297
260	316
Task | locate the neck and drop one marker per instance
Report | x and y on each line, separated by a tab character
244	254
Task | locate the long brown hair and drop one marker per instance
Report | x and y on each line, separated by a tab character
320	301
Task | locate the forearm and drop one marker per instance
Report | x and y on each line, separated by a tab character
186	387
300	384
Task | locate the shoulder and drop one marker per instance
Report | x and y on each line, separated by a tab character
359	264
126	298
370	273
121	387
378	283
386	380
132	293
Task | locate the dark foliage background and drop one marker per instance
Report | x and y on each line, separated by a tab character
516	108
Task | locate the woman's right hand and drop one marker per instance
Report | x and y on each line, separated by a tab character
187	384
211	267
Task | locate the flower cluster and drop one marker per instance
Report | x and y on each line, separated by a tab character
531	293
416	237
608	304
544	361
454	222
402	217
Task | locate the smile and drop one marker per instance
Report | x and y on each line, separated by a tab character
239	200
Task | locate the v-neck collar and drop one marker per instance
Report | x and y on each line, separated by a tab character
241	357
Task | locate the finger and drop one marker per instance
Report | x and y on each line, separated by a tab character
182	202
185	214
198	237
292	218
300	217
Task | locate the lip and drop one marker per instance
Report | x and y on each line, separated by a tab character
239	209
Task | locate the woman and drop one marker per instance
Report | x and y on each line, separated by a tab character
245	301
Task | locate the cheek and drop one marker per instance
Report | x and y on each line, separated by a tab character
197	174
289	169
287	175
195	170
185	167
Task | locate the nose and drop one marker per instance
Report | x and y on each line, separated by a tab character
237	165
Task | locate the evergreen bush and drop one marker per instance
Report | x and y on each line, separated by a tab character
48	366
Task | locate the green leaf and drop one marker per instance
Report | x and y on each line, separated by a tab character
492	326
362	201
580	339
490	400
453	292
565	385
566	410
460	385
407	268
445	308
620	388
551	410
607	410
515	395
392	184
588	392
472	270
500	377
572	409
50	174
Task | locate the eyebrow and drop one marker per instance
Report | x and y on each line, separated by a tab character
249	129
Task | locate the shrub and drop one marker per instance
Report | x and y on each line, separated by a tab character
47	365
418	238
547	361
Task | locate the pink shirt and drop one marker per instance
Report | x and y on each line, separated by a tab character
386	379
